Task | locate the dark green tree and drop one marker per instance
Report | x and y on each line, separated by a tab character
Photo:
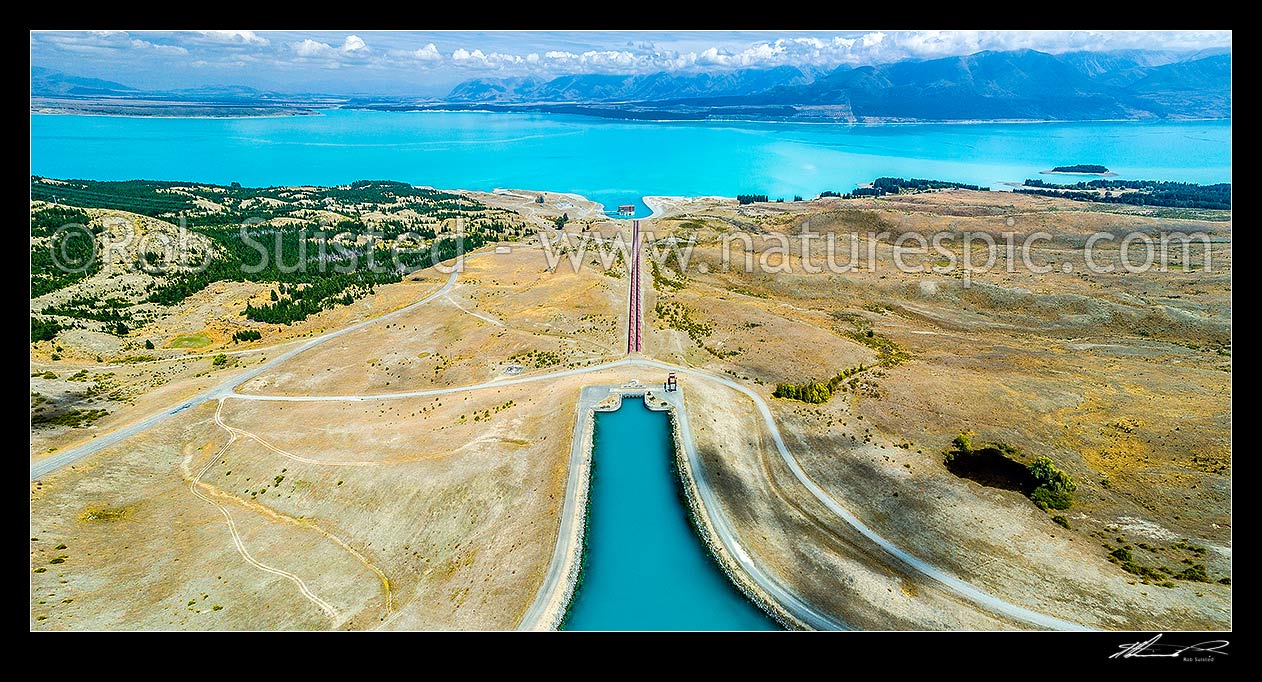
1054	489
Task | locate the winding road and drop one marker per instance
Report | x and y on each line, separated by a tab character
788	600
799	608
70	455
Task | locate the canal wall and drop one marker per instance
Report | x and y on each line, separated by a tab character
551	605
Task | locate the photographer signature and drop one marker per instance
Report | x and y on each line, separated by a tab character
1154	649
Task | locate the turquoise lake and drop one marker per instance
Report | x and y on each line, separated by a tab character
613	162
645	568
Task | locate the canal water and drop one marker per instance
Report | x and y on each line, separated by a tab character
645	568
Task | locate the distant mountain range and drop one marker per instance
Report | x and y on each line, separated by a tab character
1013	85
1023	84
56	92
49	83
648	87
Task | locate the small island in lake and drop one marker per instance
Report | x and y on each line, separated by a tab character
1082	169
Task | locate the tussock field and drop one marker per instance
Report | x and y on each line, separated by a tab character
259	510
1122	379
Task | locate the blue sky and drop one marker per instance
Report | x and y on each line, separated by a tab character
427	63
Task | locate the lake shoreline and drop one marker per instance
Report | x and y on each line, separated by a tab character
319	111
606	162
190	117
1105	174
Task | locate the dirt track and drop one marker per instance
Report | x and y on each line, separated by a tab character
492	487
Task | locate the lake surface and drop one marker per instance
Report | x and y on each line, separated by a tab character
645	567
613	162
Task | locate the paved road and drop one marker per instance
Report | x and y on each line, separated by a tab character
226	389
951	582
68	456
558	581
770	584
494	383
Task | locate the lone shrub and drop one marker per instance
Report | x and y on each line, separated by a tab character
1054	489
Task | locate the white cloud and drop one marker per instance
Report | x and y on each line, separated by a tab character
610	59
763	52
106	42
711	57
282	56
314	48
869	48
170	50
485	60
352	44
235	37
429	53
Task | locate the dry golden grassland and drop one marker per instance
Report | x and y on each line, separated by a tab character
441	511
